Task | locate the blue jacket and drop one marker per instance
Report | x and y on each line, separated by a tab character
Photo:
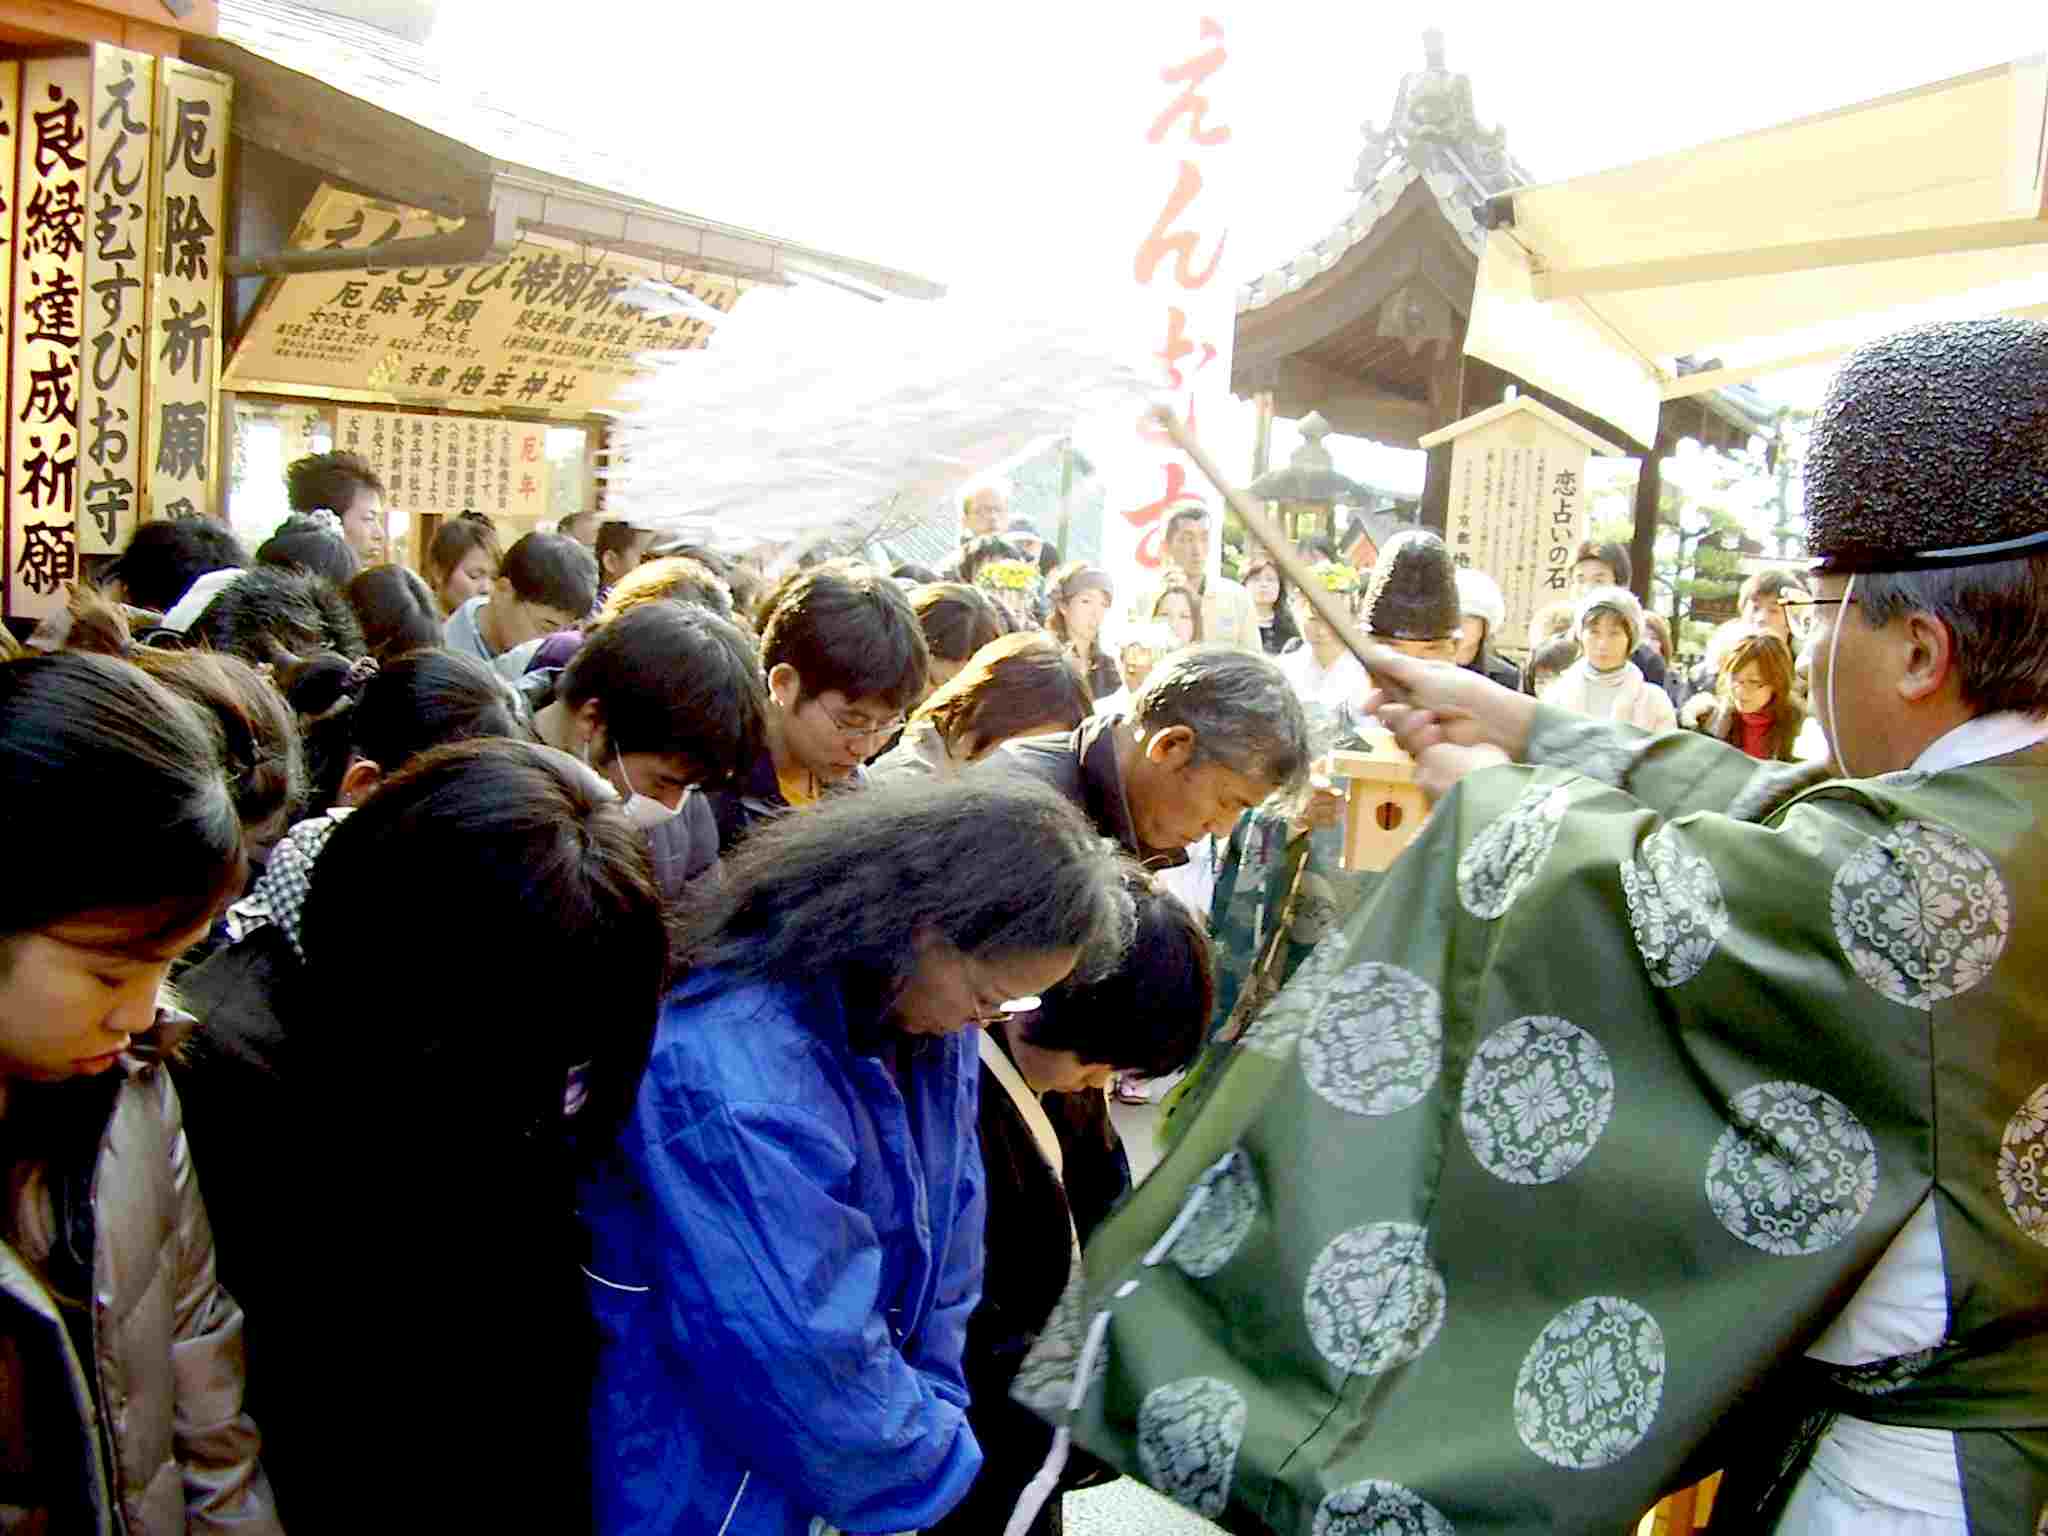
783	1261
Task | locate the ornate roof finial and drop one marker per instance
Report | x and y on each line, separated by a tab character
1434	128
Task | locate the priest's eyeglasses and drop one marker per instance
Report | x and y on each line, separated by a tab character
1803	603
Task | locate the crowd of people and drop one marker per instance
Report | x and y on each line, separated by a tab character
679	1137
714	1150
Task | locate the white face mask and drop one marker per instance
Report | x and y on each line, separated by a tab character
643	810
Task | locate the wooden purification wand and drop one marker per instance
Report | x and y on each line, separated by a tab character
1291	565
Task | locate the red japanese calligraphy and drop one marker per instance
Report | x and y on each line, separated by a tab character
1176	488
1181	246
1188	103
1178	346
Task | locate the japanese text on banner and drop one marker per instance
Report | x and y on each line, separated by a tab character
542	331
445	465
116	298
1175	260
49	268
185	287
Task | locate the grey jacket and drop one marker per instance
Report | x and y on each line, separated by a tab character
164	1384
919	753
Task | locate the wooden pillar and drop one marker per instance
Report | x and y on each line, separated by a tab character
1262	435
1447	404
1642	549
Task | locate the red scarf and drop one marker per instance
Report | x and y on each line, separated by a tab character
1753	733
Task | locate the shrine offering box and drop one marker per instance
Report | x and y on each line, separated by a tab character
1384	810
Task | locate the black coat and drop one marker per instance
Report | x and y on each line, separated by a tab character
1082	766
1026	1268
1496	669
1103	676
400	1293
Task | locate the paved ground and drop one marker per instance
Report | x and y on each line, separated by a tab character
1126	1508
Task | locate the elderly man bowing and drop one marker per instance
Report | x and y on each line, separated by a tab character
1659	1112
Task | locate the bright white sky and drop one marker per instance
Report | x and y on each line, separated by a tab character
958	140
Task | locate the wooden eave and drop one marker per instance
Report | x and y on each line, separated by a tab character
346	138
1412	241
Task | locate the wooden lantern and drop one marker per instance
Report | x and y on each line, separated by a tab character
1384	809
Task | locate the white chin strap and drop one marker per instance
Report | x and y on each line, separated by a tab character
1834	721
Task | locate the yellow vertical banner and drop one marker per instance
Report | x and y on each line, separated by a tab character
50	231
10	125
116	298
187	216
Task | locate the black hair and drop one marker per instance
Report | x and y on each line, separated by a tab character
976	553
616	536
396	609
544	866
274	608
303	547
670	678
1770	583
409	706
1048	557
456	538
329	481
990	863
164	558
1997	617
916	575
1553	655
1613	556
1241	708
1006	688
320	684
1187	512
1150	1014
957	620
849	629
262	756
116	799
553	570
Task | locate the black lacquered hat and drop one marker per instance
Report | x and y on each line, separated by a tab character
1931	450
1414	590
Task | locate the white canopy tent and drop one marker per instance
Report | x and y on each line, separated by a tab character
813	409
1772	250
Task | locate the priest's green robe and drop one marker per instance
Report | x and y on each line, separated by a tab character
1552	1162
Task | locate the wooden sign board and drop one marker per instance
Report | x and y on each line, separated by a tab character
1518	502
442	466
188	214
116	299
50	205
547	331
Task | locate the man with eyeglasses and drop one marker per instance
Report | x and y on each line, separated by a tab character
1772	600
1662	1111
845	660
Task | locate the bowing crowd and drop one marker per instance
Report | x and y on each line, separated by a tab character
642	1023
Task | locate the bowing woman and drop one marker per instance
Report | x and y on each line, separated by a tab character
120	1355
788	1245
